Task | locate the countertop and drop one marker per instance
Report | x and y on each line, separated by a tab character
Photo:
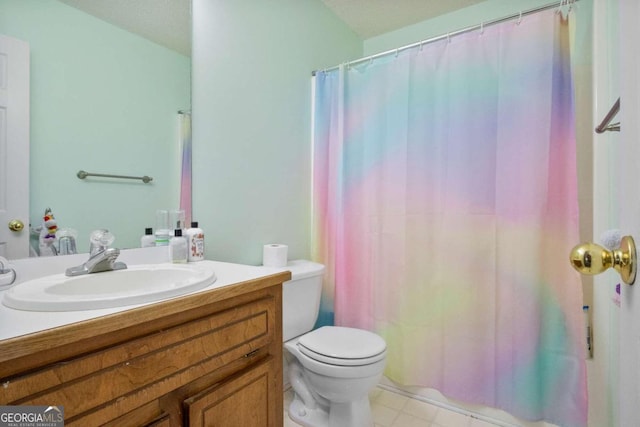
15	323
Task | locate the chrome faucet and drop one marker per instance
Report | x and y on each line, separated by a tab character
101	256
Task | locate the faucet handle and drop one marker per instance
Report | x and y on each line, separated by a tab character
101	239
67	241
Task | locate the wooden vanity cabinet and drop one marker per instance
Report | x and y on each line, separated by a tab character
240	401
209	359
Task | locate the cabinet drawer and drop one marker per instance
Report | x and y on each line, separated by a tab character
128	375
243	400
163	421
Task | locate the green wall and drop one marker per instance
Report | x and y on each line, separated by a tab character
252	64
473	15
102	100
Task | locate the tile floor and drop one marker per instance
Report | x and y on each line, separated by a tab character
395	410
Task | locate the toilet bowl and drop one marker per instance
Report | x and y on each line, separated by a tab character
331	369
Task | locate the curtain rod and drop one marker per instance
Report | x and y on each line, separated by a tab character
452	34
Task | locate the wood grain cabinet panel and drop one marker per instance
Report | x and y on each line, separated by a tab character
220	356
243	400
163	421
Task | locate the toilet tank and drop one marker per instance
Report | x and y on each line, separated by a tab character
301	298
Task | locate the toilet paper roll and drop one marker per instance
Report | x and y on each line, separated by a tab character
274	255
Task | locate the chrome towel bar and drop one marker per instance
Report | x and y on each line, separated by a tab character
82	175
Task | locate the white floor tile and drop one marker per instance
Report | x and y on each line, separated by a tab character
391	400
383	415
374	393
480	423
406	420
395	410
419	409
446	418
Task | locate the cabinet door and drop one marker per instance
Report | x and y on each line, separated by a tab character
163	421
245	399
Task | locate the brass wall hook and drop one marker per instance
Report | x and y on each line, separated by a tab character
590	258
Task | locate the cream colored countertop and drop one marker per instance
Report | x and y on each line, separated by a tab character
15	323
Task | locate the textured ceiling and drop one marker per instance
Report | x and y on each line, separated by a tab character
168	22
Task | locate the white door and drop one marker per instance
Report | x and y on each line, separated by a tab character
629	181
14	148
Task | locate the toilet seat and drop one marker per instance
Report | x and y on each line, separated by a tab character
342	346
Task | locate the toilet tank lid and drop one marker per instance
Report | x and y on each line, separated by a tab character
302	268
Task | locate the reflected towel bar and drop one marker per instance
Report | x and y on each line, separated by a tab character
605	126
82	175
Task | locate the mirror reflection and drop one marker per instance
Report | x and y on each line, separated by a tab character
104	100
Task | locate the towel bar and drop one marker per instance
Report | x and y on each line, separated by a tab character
605	125
82	175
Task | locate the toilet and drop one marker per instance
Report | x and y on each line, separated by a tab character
331	369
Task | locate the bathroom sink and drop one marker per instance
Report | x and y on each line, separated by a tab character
136	285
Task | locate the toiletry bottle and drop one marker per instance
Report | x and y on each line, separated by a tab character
148	240
178	247
195	242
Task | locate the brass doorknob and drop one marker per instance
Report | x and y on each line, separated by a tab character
16	225
589	258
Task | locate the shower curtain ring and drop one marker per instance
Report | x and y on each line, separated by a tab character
448	37
519	19
561	5
397	51
481	28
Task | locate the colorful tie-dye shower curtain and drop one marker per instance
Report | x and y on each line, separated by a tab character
445	206
184	118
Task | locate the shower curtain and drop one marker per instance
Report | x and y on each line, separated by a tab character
445	206
184	118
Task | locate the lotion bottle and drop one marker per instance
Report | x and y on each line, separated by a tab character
178	247
195	243
149	239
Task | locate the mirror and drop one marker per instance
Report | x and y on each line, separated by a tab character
105	100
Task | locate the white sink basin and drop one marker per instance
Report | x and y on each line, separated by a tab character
136	285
